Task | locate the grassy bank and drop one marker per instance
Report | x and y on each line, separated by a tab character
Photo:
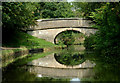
20	44
22	39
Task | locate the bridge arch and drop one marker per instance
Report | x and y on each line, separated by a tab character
48	28
50	34
55	39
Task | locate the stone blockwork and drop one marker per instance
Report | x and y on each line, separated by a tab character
62	73
58	23
49	29
50	34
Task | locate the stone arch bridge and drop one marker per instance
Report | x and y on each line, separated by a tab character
48	29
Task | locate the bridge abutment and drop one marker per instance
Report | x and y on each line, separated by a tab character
50	34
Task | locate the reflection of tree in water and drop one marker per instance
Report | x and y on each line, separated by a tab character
17	75
69	59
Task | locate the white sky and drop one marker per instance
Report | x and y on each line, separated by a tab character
70	0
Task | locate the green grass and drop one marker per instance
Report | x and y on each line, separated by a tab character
23	42
22	39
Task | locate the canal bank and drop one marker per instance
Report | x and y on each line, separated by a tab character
19	45
61	65
10	55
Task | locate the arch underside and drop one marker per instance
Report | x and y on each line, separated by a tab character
50	34
56	39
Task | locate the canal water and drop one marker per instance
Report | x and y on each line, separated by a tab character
70	65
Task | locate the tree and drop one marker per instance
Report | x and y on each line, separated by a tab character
107	20
85	8
65	38
16	16
56	10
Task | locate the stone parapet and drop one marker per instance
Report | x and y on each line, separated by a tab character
59	23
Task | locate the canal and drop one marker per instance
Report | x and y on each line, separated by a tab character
66	65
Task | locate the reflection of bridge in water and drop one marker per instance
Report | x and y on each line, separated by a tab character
48	66
50	28
59	72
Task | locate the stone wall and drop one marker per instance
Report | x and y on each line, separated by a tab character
45	24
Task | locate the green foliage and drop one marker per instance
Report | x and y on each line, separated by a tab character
70	57
17	15
24	39
70	37
85	8
103	68
56	10
65	38
89	42
79	38
21	15
107	20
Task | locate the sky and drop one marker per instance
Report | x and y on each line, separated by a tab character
70	0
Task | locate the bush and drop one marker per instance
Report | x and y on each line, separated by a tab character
89	42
